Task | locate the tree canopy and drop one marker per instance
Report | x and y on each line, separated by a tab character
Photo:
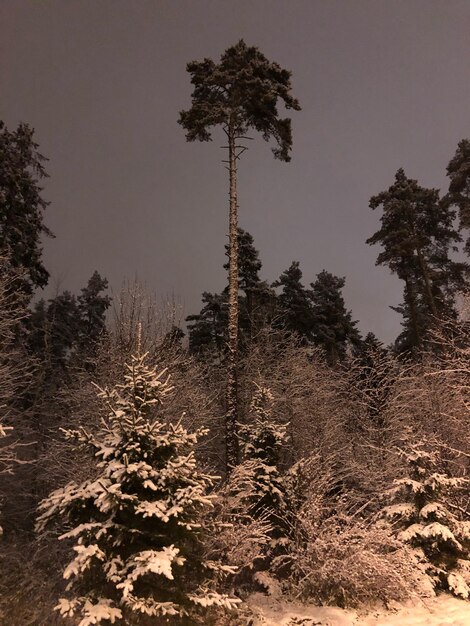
243	90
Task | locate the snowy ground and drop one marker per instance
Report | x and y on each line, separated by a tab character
442	611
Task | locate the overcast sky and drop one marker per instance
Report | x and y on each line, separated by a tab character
383	84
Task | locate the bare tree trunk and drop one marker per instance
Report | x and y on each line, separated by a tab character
231	441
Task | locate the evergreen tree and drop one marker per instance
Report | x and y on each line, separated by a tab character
57	338
208	329
333	326
417	234
262	440
138	525
68	325
37	328
239	93
21	204
92	307
295	303
173	338
257	485
249	263
415	318
458	195
422	518
370	343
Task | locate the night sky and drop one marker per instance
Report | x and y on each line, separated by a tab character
383	84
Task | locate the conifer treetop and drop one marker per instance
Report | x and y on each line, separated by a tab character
242	90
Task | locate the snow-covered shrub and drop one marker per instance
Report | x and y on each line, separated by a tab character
138	526
349	563
422	518
6	451
240	539
29	585
15	373
310	395
336	555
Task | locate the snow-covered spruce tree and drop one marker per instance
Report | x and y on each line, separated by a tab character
256	486
138	525
422	517
261	442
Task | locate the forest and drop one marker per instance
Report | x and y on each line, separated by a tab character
160	471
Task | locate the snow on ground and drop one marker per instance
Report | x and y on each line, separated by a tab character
441	611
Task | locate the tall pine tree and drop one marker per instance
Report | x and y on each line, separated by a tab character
239	93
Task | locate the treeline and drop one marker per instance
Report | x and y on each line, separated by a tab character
318	316
419	232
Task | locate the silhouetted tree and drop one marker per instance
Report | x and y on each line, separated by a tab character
92	306
21	204
208	329
239	93
416	235
373	371
63	328
458	171
370	342
295	303
333	326
173	338
67	324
